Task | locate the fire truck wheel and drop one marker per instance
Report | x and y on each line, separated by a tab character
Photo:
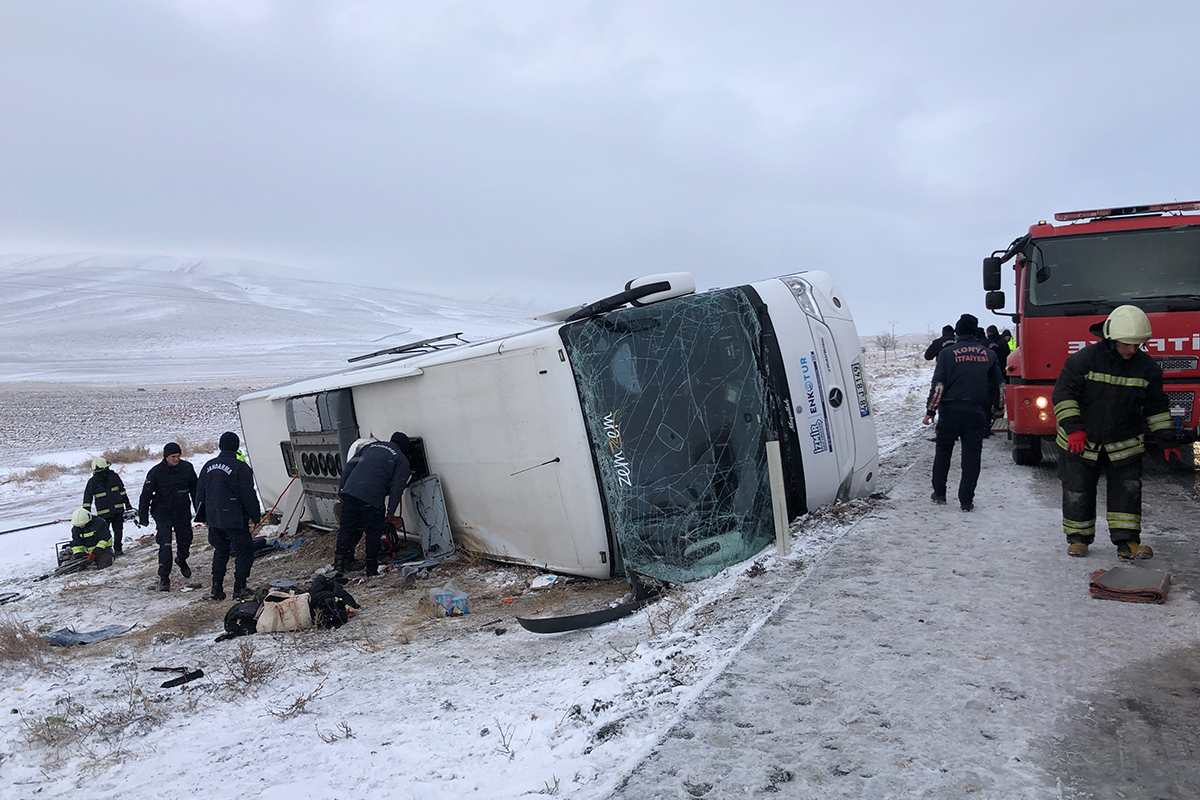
1027	449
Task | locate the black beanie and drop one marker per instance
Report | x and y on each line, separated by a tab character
170	448
967	325
400	440
229	441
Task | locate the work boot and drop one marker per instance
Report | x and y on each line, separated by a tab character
164	584
1077	549
218	590
938	499
372	568
967	506
1130	550
240	592
184	569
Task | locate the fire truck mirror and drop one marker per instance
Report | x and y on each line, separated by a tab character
994	300
991	274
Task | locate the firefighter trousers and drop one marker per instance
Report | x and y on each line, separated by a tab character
969	424
1080	476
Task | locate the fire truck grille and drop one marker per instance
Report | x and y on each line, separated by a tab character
1182	400
1177	363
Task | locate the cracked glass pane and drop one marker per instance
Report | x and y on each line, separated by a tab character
675	403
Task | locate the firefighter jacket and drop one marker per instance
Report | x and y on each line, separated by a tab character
379	469
93	536
167	489
107	489
966	376
225	497
1110	399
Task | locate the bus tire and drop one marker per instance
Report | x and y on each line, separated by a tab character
1027	449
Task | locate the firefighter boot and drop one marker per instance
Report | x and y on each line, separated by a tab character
218	590
164	583
1128	550
240	592
938	499
372	567
184	569
1077	549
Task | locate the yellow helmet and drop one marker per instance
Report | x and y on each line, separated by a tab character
1128	324
81	517
99	462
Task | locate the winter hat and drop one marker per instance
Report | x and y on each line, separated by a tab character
947	330
400	440
229	441
171	448
966	325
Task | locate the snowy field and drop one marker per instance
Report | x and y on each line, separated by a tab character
900	650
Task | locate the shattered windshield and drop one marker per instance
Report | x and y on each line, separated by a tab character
1158	270
676	407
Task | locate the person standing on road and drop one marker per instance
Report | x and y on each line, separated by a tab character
227	503
964	392
108	491
940	343
168	494
378	470
1104	396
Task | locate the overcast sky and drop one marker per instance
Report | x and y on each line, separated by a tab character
558	149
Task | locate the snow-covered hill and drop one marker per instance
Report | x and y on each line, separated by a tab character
122	319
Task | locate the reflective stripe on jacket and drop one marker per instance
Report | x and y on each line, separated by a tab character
93	536
1111	399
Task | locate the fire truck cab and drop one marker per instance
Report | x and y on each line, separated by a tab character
1070	276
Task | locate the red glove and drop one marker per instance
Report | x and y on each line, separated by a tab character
91	557
1172	451
1077	441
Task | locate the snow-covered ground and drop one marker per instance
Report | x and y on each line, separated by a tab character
900	650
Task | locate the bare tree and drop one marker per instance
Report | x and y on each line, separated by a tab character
886	341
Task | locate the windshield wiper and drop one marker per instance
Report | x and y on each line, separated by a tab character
1181	296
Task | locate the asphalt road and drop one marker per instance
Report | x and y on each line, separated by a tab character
937	654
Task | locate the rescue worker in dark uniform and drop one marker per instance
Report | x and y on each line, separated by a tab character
378	470
227	502
965	390
106	488
1104	396
91	538
940	343
167	495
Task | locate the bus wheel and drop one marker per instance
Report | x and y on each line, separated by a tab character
1027	449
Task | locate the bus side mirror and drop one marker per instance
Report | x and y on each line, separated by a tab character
994	301
991	274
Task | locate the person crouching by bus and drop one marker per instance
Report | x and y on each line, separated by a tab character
378	470
108	491
965	389
227	503
1104	395
167	494
91	538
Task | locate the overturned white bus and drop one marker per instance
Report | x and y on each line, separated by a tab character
626	437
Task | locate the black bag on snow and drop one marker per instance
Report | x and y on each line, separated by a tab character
328	601
241	619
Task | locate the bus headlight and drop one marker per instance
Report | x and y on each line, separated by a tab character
803	293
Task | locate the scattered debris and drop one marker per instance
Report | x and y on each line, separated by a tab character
66	637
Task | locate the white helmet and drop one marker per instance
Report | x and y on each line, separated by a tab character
81	517
1128	324
99	462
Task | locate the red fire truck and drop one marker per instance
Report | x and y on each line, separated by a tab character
1070	276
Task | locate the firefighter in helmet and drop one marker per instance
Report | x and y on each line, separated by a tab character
107	490
90	538
1104	396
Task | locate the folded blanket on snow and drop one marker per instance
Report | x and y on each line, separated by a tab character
1130	584
65	637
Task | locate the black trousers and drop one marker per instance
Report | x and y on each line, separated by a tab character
240	542
1080	476
359	518
968	424
116	524
176	523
